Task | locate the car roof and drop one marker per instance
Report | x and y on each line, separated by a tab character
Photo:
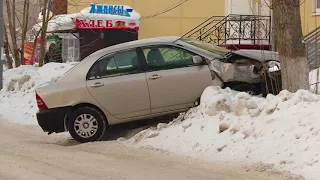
77	72
134	44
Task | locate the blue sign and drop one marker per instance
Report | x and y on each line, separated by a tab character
110	9
50	8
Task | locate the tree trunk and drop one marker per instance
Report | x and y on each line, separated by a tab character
294	64
6	48
11	10
43	32
25	22
34	46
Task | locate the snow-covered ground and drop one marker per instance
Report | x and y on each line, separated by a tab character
228	126
17	98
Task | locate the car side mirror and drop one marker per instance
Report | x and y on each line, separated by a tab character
197	60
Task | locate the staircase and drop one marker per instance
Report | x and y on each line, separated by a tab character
202	31
234	31
311	41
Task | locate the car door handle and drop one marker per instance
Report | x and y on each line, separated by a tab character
97	84
155	76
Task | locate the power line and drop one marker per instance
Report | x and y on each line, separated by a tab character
173	6
166	10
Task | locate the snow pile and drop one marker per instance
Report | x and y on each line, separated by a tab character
17	99
282	130
231	126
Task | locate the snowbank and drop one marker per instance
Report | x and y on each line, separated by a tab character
229	126
17	99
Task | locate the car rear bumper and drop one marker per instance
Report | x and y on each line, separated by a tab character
52	120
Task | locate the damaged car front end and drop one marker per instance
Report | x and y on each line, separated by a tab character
253	71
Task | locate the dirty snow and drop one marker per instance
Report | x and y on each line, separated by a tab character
229	126
17	99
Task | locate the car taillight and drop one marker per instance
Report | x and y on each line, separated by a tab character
40	103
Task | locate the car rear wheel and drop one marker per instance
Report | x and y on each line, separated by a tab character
87	124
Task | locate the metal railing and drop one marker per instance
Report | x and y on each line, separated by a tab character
311	41
219	30
204	25
312	44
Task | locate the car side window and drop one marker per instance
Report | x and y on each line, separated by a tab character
122	63
167	57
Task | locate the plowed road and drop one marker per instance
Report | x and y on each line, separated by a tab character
26	153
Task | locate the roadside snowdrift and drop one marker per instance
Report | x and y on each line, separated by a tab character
228	126
17	99
283	130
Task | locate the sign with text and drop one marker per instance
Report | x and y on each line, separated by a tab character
105	24
110	9
27	53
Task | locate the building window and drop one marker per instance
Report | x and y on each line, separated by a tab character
70	49
316	6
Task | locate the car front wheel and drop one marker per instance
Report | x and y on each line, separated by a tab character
87	124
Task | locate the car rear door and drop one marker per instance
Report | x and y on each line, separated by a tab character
174	81
119	85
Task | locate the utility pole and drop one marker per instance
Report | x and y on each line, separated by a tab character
1	42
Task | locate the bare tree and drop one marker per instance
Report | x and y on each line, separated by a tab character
288	30
25	19
19	19
11	11
45	21
25	22
6	49
49	10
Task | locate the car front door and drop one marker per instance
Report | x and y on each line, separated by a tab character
174	81
119	85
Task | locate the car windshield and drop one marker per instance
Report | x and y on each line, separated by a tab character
206	46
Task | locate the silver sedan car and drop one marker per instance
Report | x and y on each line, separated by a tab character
143	79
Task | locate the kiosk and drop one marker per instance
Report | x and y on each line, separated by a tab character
92	29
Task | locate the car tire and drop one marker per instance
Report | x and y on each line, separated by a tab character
87	124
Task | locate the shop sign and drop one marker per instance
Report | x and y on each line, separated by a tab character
104	24
27	53
110	9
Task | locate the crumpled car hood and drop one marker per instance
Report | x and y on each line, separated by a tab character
260	55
